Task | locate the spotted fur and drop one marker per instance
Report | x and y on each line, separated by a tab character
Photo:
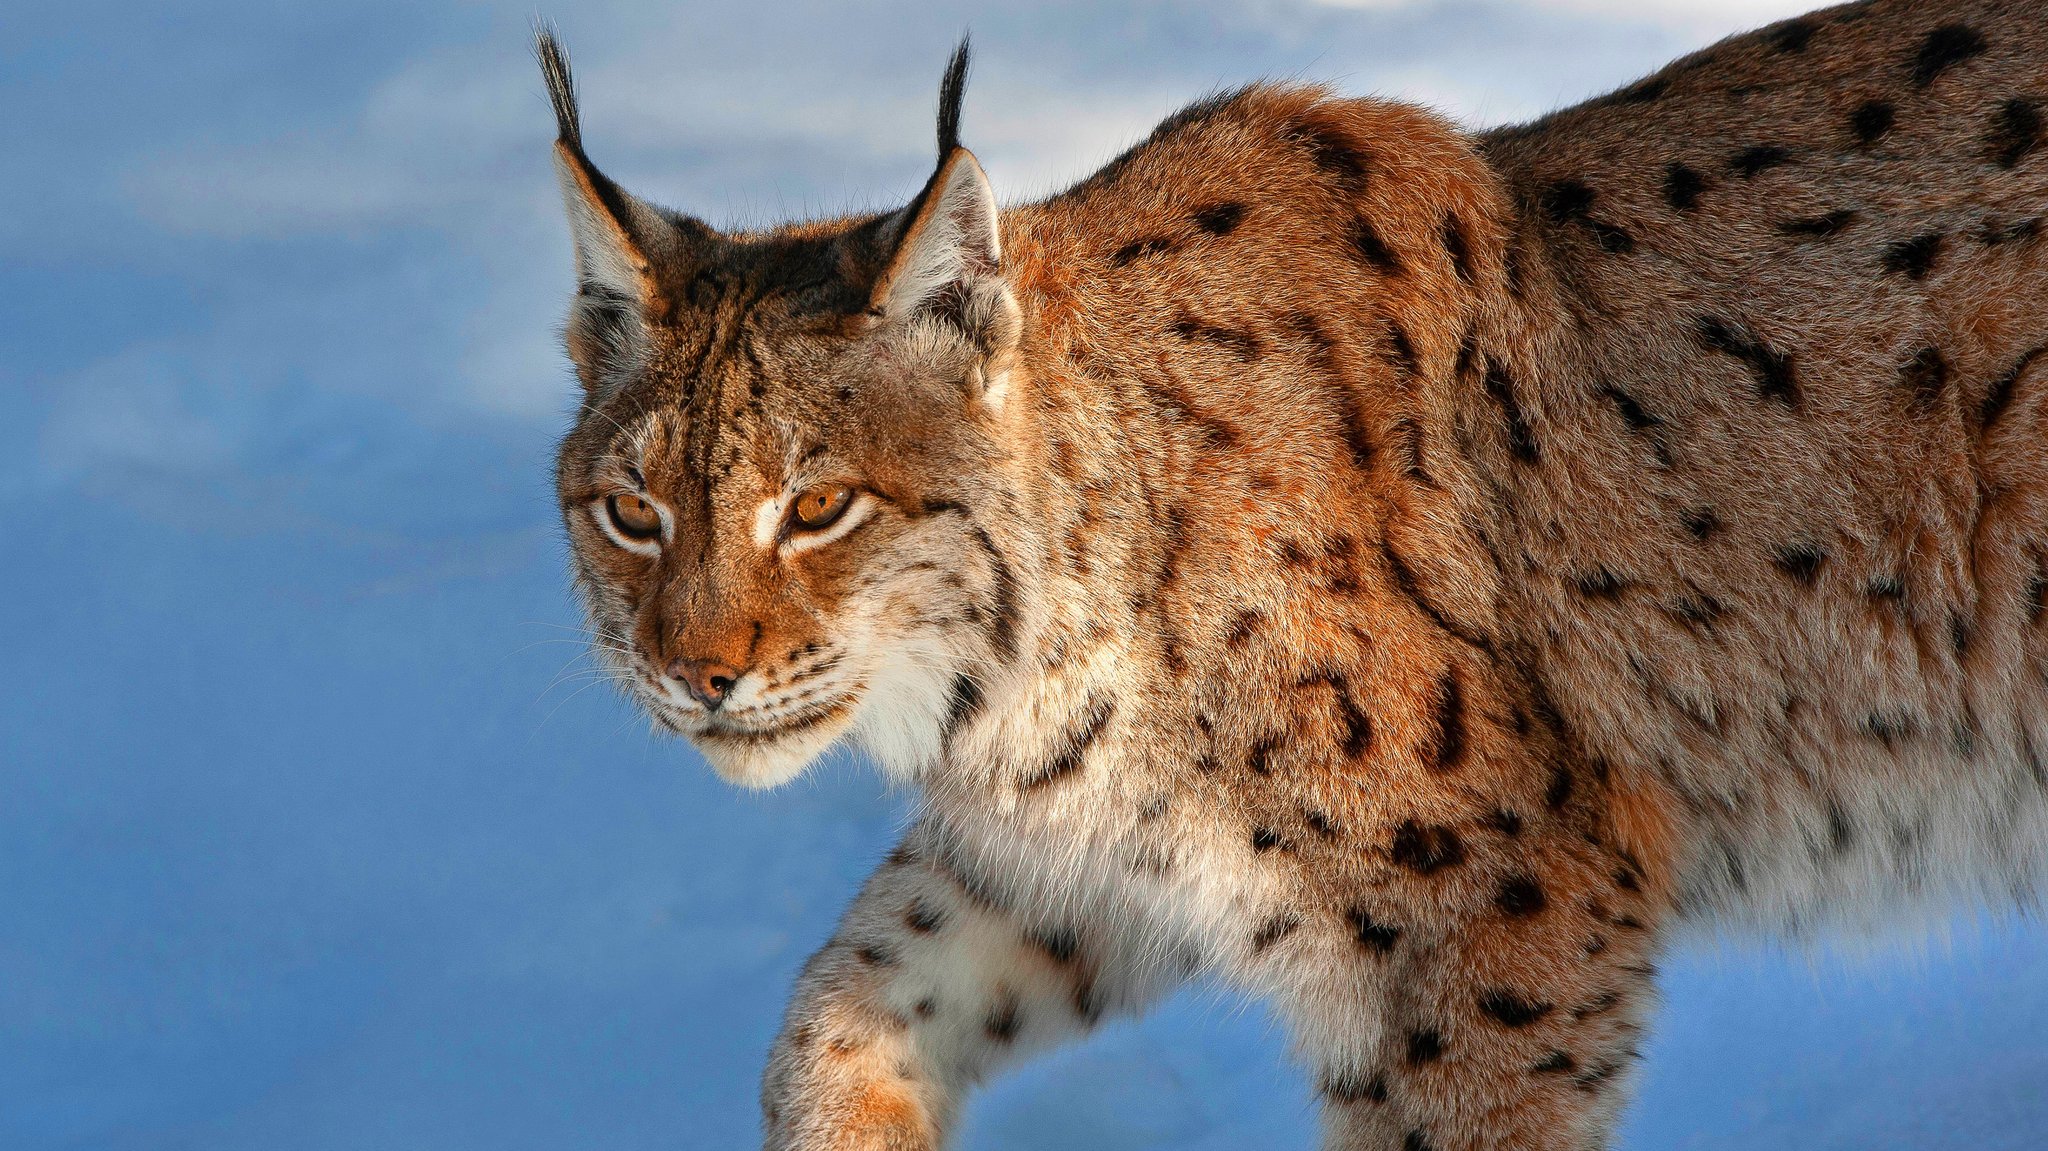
1406	573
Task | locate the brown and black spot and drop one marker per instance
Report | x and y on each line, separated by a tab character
1925	378
1682	187
1004	1020
1405	437
1700	523
1912	257
1505	821
1841	833
1999	397
1818	227
1596	1076
1274	929
1792	36
1632	412
1776	377
1599	583
1996	230
1140	249
1555	1063
1370	248
1801	561
1521	440
1072	755
1425	1045
1060	945
1401	351
1629	875
1511	1009
1641	92
1445	749
1571	202
1354	1087
1355	725
1459	248
1336	157
1559	792
1416	1141
1372	935
1001	622
1886	589
2014	132
1411	589
1259	758
1266	839
1087	1001
1519	897
1597	1006
963	703
923	918
978	889
1243	626
1943	49
1220	219
1213	432
1888	727
1759	158
1242	344
1426	849
1871	120
1698	610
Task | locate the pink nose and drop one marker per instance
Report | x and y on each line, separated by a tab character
707	680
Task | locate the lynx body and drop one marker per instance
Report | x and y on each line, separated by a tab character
1408	574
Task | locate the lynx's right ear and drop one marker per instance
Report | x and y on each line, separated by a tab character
947	262
625	248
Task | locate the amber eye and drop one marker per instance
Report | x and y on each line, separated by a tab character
818	507
634	517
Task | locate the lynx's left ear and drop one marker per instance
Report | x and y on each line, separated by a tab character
948	258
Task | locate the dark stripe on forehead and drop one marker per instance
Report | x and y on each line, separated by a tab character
727	318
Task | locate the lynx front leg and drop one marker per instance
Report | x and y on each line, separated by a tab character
1506	1021
935	980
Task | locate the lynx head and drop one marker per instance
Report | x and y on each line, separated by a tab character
787	443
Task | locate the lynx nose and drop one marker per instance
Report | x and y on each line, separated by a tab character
707	680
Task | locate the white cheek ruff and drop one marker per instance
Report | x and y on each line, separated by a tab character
603	516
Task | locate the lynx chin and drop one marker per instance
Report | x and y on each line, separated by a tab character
1410	574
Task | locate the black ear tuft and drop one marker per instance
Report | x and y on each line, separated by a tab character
554	68
951	89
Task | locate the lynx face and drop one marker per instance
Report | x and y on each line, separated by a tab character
766	489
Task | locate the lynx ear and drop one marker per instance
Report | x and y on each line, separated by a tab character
620	240
948	250
945	240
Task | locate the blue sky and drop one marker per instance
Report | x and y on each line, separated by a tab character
314	829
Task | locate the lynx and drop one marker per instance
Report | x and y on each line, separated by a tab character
1410	574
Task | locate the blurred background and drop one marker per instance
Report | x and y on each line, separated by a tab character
316	830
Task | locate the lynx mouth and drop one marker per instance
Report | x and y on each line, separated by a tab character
772	754
807	719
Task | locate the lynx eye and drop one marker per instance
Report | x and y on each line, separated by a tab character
816	508
634	517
